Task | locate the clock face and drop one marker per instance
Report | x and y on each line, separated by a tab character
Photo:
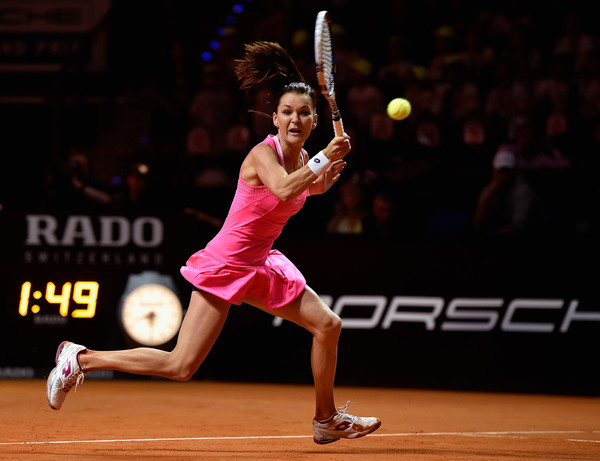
151	314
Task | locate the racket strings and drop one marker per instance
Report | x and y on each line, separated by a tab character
327	61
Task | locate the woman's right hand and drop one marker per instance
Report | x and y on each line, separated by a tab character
338	147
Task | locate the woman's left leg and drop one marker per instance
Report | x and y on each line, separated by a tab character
311	313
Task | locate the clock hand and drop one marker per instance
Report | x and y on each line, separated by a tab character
141	317
151	317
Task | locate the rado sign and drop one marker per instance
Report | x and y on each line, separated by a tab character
93	231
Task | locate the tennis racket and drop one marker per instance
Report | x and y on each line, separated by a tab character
325	61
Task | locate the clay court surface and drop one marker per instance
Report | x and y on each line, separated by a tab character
218	421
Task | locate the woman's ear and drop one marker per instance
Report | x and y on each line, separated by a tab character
275	122
314	125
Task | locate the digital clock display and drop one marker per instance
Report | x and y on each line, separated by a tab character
82	293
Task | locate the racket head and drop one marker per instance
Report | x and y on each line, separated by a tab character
324	57
325	66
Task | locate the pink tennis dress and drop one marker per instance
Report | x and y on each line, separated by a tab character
239	261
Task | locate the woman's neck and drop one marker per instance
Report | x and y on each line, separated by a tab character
291	155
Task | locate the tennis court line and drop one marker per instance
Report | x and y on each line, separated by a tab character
283	437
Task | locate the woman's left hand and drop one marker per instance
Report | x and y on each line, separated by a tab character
328	178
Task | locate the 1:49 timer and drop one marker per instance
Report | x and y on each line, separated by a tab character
82	293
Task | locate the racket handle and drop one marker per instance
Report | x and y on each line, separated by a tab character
338	127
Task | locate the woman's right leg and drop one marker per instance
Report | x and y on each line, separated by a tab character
201	326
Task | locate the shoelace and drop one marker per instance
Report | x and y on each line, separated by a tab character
343	410
75	380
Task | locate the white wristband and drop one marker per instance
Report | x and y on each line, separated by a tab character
319	163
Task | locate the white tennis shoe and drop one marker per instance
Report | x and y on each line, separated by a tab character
65	375
343	426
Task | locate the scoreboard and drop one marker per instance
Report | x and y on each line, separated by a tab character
108	281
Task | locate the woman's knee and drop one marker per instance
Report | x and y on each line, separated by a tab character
180	369
330	326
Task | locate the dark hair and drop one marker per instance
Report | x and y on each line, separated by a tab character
268	65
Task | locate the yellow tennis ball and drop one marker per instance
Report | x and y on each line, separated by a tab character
399	108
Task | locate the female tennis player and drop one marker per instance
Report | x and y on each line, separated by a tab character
239	265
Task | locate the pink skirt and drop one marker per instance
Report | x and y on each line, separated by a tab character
275	283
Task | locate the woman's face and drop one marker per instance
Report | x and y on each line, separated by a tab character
295	118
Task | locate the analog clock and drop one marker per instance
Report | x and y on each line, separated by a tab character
151	312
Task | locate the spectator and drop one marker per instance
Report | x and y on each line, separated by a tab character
456	99
519	51
555	89
575	41
476	147
558	132
302	46
533	150
508	98
137	194
446	44
349	216
73	187
398	69
381	220
419	91
507	205
588	84
479	56
211	108
364	102
364	98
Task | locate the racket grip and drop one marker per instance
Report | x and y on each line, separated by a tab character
338	127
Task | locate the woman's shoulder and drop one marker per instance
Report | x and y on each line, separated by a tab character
267	145
262	148
268	141
257	155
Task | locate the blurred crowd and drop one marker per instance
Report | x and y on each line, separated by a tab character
504	134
